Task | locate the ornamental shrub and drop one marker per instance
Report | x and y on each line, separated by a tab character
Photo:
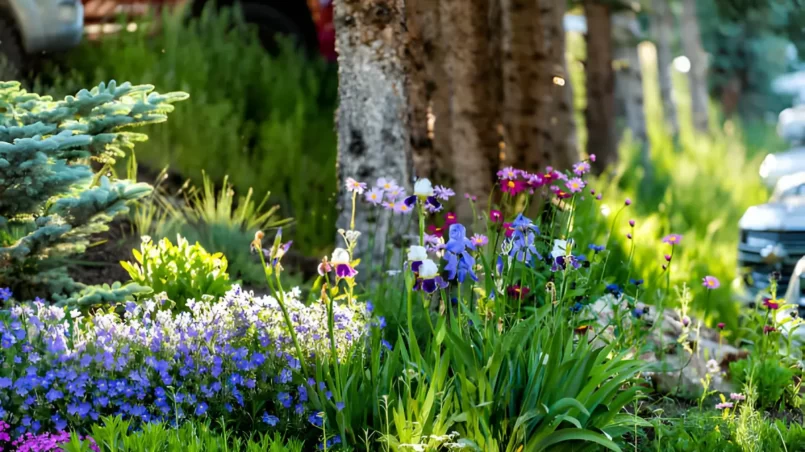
54	193
182	272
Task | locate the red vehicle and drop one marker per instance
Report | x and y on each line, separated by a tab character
310	22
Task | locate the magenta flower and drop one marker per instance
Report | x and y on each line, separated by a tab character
535	180
581	168
592	157
599	196
496	216
575	185
450	218
374	196
479	240
711	282
631	223
672	239
628	202
355	186
513	187
508	173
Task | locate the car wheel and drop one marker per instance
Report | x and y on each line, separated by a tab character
11	53
272	23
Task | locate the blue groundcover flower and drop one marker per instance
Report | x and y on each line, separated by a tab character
150	365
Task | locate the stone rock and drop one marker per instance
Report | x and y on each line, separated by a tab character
679	355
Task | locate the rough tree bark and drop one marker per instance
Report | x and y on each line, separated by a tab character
428	86
473	136
562	125
526	90
373	137
662	27
600	113
692	45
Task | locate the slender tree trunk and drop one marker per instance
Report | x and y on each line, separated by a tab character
628	77
600	113
473	137
561	123
526	78
692	44
373	137
662	27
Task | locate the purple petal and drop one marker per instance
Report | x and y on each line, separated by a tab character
410	201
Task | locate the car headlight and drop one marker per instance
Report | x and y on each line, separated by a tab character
768	166
67	12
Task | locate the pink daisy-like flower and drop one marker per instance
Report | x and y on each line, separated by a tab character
672	239
374	196
724	405
737	397
535	180
575	185
771	305
711	282
581	168
508	173
479	240
355	186
513	187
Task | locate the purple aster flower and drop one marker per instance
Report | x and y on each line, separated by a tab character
374	196
508	173
479	240
672	239
388	185
403	207
575	185
443	193
581	168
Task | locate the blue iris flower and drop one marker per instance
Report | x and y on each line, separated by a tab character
460	262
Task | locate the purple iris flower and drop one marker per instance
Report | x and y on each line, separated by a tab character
429	279
460	262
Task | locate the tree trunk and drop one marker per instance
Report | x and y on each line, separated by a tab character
473	136
526	79
600	113
562	125
373	138
628	78
692	44
662	27
427	82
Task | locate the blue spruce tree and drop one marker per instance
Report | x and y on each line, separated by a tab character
51	199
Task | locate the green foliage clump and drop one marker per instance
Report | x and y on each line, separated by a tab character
115	434
266	121
51	198
182	271
217	219
771	378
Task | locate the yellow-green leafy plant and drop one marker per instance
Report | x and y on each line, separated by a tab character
181	271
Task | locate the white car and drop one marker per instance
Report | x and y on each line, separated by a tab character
772	239
35	26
